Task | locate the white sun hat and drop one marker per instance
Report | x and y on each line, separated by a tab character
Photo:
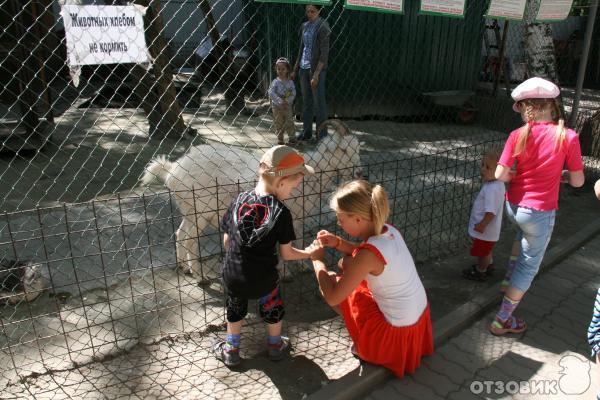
534	88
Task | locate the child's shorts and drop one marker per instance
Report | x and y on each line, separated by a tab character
270	307
481	248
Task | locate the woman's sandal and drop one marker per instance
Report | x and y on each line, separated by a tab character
473	274
511	325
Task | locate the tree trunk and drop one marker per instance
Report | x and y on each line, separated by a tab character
539	46
155	86
539	50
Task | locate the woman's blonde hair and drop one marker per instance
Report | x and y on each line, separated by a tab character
365	199
532	106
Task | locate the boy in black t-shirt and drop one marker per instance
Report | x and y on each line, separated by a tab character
254	224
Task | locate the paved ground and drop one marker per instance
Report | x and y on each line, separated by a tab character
106	151
180	366
549	361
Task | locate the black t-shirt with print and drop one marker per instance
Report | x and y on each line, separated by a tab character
255	225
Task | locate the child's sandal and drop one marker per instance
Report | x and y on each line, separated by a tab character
473	274
511	325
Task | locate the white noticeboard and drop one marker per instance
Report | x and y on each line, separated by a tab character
104	34
554	10
454	8
507	9
385	6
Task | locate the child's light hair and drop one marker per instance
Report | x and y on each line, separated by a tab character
365	199
531	107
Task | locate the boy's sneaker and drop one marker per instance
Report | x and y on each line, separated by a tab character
474	274
276	352
230	358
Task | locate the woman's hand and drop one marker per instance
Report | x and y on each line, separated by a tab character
293	75
316	251
328	239
314	82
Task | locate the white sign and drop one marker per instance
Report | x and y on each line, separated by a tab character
390	6
507	9
104	34
445	7
554	10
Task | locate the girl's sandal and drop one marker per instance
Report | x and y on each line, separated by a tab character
511	325
473	274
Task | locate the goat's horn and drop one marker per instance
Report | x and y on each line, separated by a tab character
339	126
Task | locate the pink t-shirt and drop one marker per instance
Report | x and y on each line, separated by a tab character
536	183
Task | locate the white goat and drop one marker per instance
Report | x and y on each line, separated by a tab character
209	174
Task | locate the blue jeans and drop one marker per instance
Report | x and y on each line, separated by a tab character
534	229
313	102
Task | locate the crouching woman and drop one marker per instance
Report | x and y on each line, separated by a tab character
378	293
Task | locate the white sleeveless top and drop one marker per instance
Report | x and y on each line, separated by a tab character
398	290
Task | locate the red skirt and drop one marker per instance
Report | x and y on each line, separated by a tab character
398	348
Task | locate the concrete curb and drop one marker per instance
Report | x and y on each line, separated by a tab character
366	377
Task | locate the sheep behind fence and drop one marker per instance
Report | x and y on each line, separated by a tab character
336	156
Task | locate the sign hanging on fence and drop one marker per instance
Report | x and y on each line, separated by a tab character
316	2
553	10
452	8
104	34
386	6
507	9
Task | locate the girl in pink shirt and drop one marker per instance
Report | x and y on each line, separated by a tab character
532	162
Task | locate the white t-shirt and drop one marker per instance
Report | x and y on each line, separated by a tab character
398	290
489	199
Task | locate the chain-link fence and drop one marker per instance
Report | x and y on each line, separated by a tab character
112	189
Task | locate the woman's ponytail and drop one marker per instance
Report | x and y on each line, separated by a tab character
380	208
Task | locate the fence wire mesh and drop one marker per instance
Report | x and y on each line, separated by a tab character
112	189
